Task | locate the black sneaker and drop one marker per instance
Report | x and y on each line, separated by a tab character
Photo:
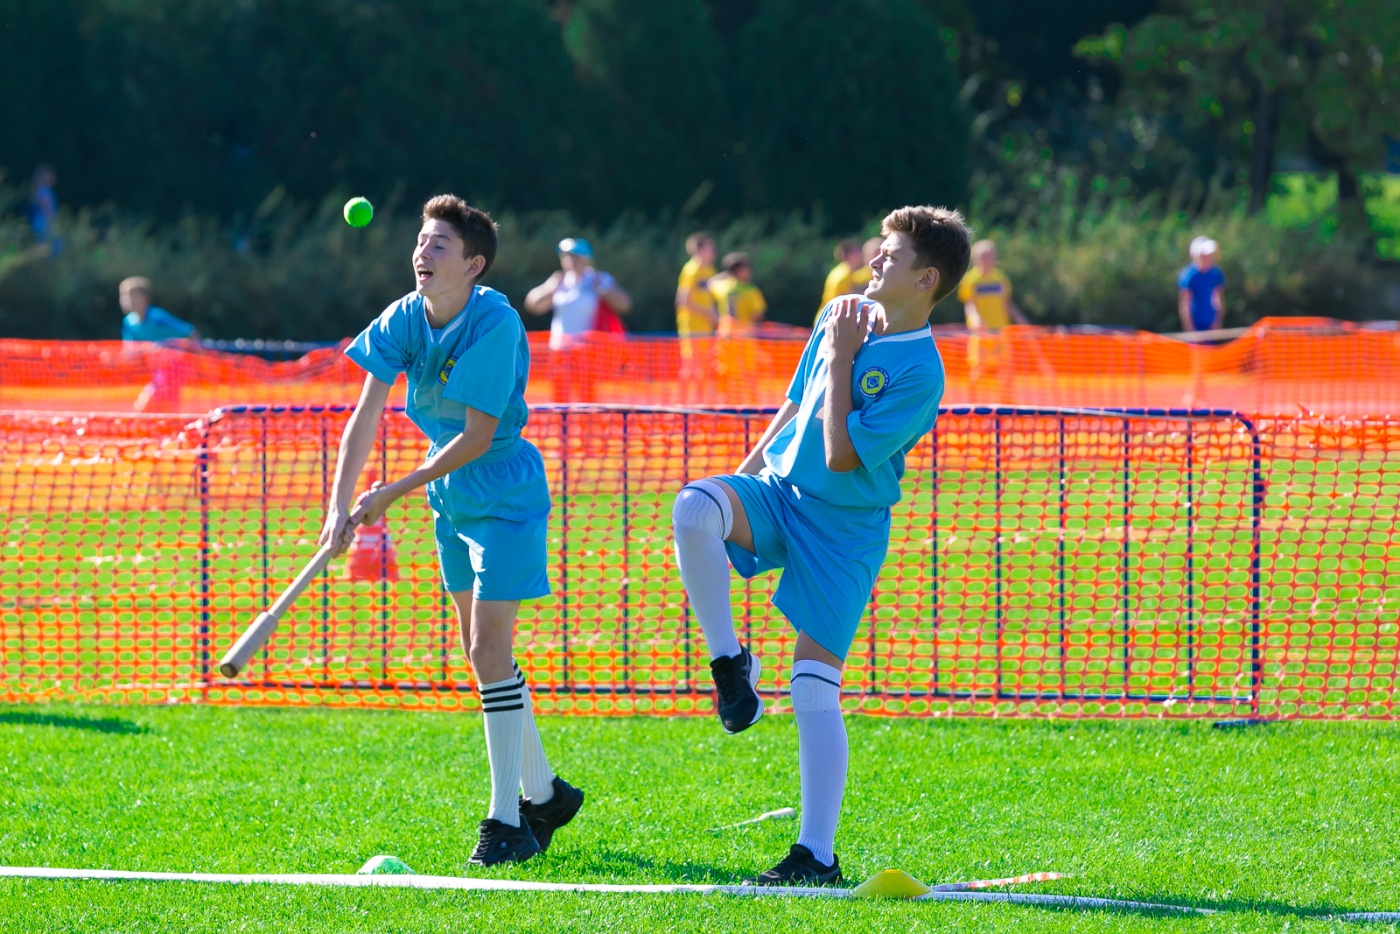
546	818
800	867
501	843
736	701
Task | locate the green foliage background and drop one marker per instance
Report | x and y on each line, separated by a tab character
209	143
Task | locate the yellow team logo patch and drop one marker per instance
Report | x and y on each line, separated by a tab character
873	382
446	371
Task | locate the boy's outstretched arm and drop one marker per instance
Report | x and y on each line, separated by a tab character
355	445
473	442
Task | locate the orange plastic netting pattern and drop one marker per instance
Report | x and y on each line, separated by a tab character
1284	366
1041	563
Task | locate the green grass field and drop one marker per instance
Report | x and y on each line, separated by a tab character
1271	826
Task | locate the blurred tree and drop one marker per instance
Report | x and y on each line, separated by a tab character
1254	69
850	106
33	80
659	119
173	105
729	16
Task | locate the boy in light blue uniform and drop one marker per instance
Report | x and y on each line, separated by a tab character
464	351
144	321
814	498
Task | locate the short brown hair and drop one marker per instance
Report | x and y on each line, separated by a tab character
982	247
846	247
941	238
733	261
696	240
478	231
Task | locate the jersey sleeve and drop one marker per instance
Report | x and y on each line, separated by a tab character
382	348
606	282
484	376
901	414
1183	281
172	324
808	361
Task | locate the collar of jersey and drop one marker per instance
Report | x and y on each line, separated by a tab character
918	334
437	337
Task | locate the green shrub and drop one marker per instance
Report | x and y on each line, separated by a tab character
300	273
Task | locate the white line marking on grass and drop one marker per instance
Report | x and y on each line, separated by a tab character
414	882
949	892
519	885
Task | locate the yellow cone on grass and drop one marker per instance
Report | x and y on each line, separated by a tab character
891	883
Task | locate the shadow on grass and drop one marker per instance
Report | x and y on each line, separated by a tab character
97	724
613	862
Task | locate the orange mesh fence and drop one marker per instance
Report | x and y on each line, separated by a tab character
1042	562
1284	366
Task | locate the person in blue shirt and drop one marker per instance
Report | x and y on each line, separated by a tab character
813	498
1201	289
463	349
144	321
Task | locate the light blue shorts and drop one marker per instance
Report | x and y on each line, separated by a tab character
490	519
830	556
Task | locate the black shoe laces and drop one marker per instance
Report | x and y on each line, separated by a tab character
730	678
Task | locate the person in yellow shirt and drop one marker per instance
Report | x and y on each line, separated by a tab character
987	306
986	292
839	281
868	251
695	304
740	304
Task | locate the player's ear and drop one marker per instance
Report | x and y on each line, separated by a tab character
475	265
928	281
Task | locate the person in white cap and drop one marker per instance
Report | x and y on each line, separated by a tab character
1201	288
573	293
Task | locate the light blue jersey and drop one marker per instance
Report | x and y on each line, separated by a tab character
829	531
481	359
157	325
896	385
490	517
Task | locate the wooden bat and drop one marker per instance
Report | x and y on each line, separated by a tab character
262	628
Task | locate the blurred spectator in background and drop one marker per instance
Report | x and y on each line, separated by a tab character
582	298
1201	288
695	305
695	311
740	304
143	321
987	308
840	281
42	206
868	251
986	292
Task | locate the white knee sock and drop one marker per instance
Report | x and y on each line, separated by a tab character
504	710
536	777
822	754
701	518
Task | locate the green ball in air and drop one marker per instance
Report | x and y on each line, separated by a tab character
358	212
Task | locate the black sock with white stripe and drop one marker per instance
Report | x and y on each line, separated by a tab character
504	708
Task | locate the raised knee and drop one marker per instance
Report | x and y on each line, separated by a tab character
815	688
703	505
